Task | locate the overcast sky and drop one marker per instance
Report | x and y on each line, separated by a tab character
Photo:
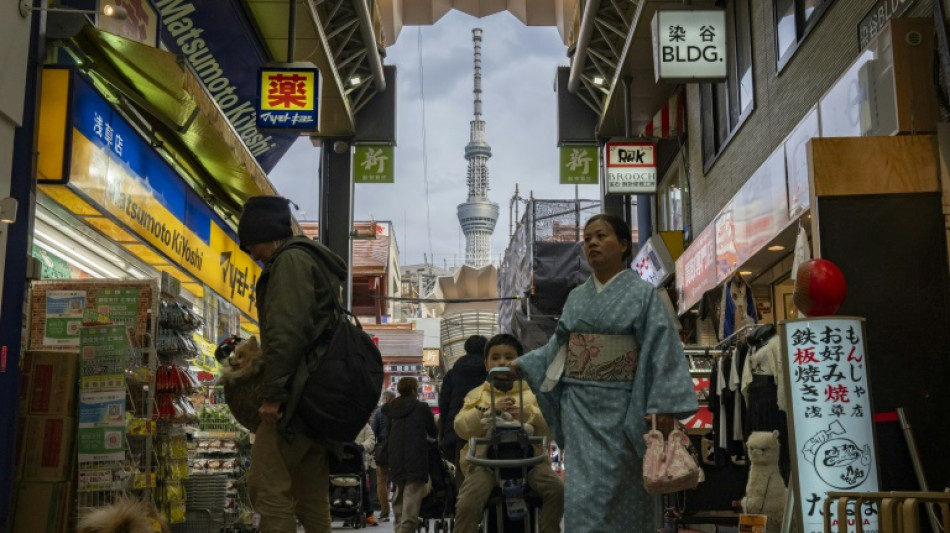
519	107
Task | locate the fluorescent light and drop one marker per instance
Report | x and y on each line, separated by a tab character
776	248
109	270
355	80
598	80
745	272
69	259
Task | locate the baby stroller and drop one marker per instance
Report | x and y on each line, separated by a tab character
438	508
513	506
347	485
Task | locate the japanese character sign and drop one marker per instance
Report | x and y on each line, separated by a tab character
579	165
833	438
631	167
288	98
373	164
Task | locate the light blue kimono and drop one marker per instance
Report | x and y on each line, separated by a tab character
601	424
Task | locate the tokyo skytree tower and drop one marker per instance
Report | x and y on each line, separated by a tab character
478	215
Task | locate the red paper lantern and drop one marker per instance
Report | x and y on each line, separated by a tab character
819	288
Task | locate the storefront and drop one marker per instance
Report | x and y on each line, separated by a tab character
856	184
141	273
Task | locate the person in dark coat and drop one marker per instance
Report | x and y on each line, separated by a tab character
413	425
379	423
466	374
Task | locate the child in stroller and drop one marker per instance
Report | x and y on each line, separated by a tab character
349	490
503	459
439	505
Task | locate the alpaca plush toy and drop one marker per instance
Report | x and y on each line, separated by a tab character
766	492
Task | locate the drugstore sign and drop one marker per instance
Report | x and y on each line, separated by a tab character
112	166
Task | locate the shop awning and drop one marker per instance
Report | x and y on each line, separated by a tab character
181	115
670	121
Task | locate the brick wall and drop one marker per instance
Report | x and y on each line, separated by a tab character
781	98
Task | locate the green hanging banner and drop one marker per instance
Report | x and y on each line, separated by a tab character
579	165
373	164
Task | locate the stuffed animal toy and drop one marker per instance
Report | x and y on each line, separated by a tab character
766	492
244	361
126	515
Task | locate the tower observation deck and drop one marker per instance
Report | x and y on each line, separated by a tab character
478	214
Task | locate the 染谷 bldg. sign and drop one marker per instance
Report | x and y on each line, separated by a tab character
832	432
631	167
689	45
288	97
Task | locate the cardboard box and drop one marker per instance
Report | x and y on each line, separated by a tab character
43	508
48	448
52	383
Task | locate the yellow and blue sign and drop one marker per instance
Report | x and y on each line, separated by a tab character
114	168
288	98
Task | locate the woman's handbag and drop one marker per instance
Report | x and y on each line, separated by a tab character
668	466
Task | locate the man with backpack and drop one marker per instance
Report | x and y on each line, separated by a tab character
298	299
380	426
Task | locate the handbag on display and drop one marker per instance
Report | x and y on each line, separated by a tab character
668	466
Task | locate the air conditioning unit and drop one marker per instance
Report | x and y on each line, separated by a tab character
898	84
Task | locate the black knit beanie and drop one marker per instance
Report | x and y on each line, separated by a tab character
265	218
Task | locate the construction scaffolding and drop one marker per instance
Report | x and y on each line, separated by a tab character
543	262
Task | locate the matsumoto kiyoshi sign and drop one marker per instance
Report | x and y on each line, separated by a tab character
689	45
219	43
117	170
289	97
631	167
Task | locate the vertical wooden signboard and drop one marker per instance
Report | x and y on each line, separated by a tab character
830	418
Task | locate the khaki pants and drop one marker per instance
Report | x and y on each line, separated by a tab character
407	503
289	481
382	489
477	488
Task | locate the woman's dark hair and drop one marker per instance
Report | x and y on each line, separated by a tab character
504	339
475	344
621	229
407	386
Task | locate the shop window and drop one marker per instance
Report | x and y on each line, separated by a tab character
794	19
673	200
725	105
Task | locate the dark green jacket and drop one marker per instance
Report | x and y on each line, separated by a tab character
295	306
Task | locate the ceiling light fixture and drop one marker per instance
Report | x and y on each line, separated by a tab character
8	207
354	81
108	10
776	248
598	80
745	272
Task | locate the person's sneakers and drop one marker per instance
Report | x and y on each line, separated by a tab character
370	521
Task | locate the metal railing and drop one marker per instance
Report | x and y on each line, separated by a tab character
898	512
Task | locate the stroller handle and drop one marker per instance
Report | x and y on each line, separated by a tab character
505	463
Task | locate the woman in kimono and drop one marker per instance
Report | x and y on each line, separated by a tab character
614	359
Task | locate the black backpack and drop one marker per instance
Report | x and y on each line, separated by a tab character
341	393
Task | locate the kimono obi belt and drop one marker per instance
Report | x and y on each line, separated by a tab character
596	357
